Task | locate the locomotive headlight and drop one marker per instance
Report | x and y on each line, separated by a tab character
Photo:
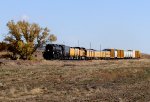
48	50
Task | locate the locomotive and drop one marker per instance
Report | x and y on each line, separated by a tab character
56	51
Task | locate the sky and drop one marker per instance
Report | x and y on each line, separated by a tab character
120	24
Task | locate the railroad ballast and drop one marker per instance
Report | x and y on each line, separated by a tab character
56	51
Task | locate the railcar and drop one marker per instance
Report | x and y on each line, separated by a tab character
65	52
90	53
98	55
77	52
113	53
52	51
120	54
137	54
55	51
72	53
82	53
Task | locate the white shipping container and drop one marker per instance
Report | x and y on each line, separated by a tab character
115	54
126	54
130	53
133	53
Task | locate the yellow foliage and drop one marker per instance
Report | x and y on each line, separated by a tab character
52	38
25	38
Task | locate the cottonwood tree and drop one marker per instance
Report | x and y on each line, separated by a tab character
24	38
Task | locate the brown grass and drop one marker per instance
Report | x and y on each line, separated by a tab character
145	56
75	81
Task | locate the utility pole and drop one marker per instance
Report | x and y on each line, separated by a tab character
100	47
78	43
90	51
100	50
90	45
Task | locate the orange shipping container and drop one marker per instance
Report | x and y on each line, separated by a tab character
122	53
112	53
137	54
118	53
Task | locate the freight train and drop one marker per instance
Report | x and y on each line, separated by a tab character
56	51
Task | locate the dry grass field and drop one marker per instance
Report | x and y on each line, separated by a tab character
75	81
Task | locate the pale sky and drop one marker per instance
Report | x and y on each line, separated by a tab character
122	24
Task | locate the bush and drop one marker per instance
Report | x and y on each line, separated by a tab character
3	46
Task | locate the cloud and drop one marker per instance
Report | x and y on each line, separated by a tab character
25	18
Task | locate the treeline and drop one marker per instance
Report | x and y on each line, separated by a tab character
25	38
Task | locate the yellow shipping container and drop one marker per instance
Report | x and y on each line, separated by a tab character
107	54
92	53
103	54
77	52
88	53
72	52
97	54
82	52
